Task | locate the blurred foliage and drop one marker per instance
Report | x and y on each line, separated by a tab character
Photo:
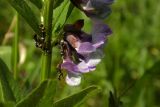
130	68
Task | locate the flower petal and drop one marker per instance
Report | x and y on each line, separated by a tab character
85	48
94	8
73	41
83	68
93	62
88	6
99	3
86	37
94	58
73	80
70	66
100	27
99	40
99	33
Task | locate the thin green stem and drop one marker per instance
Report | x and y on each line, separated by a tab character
15	47
47	56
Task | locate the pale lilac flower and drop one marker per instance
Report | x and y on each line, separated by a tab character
85	43
73	77
74	72
98	9
89	48
100	33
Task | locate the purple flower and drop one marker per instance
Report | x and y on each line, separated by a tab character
89	49
75	68
85	43
100	33
82	51
98	9
74	71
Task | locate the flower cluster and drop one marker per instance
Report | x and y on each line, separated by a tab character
84	51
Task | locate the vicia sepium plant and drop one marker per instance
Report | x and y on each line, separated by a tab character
81	51
88	47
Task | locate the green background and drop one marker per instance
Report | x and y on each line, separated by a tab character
130	68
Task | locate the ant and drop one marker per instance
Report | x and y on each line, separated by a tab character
40	39
64	51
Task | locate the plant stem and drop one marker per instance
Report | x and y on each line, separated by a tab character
15	47
47	56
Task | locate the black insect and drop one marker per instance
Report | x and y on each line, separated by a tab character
40	39
64	51
59	70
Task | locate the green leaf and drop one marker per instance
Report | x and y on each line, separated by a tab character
10	87
4	80
70	8
48	98
77	98
34	97
61	14
114	100
7	104
37	3
25	11
57	3
144	84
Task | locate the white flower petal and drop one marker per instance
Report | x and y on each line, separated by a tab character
83	68
93	62
94	58
73	80
88	6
